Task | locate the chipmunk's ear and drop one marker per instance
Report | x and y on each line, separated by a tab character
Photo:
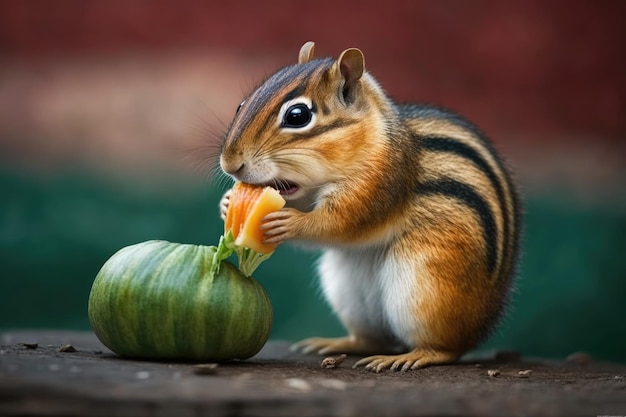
350	66
306	52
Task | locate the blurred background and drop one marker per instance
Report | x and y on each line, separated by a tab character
111	114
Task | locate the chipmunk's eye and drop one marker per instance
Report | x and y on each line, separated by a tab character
298	115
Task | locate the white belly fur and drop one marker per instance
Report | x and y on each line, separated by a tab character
375	294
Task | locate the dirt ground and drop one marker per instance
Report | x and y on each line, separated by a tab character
41	375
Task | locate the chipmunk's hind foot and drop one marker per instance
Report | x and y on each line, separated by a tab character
415	359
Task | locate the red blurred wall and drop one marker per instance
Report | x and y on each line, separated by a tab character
549	69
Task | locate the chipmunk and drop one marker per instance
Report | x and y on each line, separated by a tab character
418	216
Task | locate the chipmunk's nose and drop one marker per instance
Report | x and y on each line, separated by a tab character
231	165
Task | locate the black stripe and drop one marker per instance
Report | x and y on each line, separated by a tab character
446	144
318	130
296	92
468	196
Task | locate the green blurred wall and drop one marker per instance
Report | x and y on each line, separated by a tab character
57	229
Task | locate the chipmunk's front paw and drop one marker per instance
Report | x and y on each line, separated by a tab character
280	225
224	202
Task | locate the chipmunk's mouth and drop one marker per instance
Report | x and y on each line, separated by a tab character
283	187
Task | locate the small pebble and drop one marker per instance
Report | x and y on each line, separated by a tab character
67	348
142	375
299	384
579	358
478	365
493	372
205	369
332	361
30	345
525	373
619	377
335	384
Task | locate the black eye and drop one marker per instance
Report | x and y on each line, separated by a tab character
298	115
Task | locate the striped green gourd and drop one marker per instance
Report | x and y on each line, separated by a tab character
163	300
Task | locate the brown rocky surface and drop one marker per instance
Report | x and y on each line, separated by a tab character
41	375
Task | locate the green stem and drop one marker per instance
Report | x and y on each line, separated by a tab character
222	252
248	259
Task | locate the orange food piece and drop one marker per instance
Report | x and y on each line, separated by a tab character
247	206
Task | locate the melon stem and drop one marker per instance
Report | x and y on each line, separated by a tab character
248	259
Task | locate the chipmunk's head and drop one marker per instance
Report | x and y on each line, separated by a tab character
306	126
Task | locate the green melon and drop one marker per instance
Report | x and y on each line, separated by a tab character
163	300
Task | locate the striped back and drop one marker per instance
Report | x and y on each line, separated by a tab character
462	164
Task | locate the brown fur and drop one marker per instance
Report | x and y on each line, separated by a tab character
417	182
